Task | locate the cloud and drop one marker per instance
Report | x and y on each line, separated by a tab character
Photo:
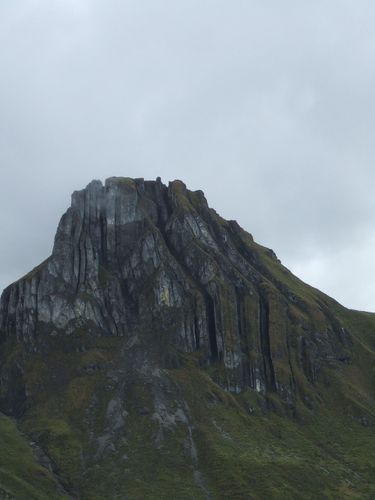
267	107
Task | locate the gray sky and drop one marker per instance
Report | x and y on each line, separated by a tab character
267	106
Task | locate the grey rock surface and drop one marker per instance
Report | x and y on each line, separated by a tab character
154	264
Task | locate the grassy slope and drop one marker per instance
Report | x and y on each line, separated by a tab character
21	477
248	446
256	453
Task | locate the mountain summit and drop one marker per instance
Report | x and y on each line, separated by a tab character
160	352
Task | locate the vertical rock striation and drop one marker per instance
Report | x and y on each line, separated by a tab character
154	265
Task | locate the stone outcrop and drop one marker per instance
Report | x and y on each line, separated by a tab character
154	265
159	352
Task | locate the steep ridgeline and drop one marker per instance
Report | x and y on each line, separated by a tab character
147	286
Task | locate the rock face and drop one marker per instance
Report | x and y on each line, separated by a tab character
159	352
157	267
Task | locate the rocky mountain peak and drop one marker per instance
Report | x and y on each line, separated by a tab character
155	265
158	337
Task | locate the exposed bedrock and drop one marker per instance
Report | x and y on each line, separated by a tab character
155	265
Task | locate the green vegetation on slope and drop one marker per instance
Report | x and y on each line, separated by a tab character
247	446
252	451
21	477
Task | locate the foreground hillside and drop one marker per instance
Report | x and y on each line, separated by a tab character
21	476
161	353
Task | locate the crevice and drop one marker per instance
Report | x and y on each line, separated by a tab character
164	210
85	253
80	239
265	343
196	331
243	336
81	235
293	379
79	265
103	238
210	307
239	307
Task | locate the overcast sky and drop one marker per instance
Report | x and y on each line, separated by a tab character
267	106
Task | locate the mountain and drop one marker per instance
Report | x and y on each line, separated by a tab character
159	352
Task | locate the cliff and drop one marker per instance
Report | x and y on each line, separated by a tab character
152	313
